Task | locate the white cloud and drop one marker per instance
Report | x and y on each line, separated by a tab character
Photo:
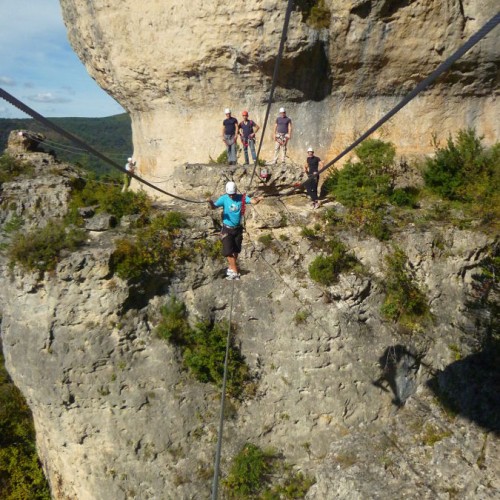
48	97
5	80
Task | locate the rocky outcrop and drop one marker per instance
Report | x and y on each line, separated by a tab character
174	67
117	417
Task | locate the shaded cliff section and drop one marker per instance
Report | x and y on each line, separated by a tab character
118	417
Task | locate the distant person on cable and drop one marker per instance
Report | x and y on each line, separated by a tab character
311	168
248	129
282	134
130	168
233	207
229	135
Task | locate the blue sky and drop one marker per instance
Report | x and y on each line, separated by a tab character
39	67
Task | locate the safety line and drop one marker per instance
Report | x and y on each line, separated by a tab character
473	40
215	485
273	85
38	117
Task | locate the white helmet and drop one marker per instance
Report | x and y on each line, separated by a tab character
231	187
227	111
129	159
282	110
310	149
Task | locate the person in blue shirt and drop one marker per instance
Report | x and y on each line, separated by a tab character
233	207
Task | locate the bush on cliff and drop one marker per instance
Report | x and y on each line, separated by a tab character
257	473
41	248
21	475
10	168
325	269
152	251
466	171
203	348
107	197
404	302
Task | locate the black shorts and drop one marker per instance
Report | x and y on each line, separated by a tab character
232	238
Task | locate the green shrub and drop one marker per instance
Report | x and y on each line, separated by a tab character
10	168
404	197
266	240
21	476
203	348
108	198
204	355
404	302
249	472
15	223
325	269
463	169
174	326
263	474
41	248
314	13
152	251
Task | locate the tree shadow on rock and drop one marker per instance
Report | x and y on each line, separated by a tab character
470	387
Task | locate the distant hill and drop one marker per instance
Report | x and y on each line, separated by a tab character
111	136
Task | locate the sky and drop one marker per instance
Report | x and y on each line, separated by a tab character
39	67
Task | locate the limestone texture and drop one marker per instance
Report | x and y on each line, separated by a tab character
117	417
174	66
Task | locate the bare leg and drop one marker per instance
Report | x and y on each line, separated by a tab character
231	261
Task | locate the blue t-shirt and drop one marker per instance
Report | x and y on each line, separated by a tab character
231	208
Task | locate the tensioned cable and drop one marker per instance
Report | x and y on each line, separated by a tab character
41	119
215	485
273	84
473	40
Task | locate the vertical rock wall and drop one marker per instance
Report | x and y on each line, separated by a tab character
174	66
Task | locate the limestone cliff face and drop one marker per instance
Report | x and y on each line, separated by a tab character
175	65
118	418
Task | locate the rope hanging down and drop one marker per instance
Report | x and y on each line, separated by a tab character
273	84
75	140
215	485
473	40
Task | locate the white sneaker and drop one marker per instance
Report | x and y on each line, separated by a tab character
233	276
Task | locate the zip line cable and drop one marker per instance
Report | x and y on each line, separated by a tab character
41	119
273	84
215	485
443	67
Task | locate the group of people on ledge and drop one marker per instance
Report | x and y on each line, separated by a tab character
246	130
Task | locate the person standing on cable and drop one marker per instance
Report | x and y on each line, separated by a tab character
233	208
311	168
130	168
282	134
247	130
229	135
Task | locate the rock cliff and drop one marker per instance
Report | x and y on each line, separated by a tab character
117	416
175	66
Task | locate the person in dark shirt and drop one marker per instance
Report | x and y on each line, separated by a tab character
311	168
282	134
229	134
248	129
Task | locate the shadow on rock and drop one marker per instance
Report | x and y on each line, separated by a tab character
470	387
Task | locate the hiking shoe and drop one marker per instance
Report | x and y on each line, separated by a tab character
233	276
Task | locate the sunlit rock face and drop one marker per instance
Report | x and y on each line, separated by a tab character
174	66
